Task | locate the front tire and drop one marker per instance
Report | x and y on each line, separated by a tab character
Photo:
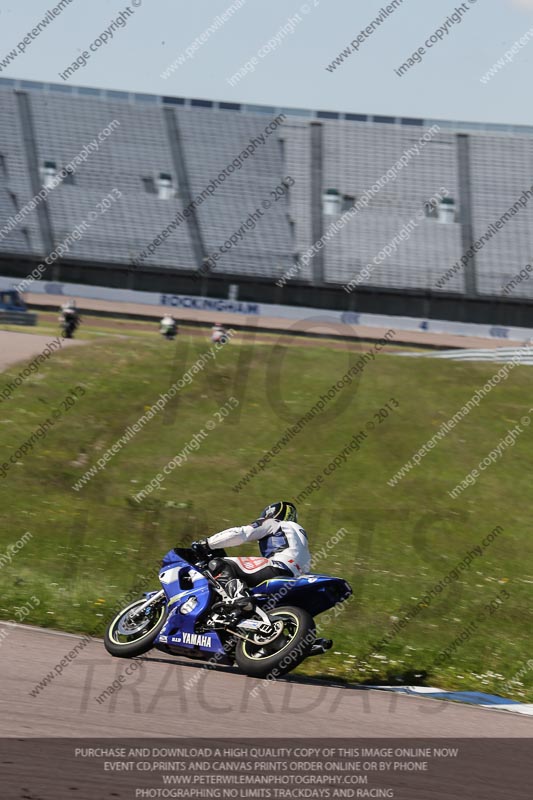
126	637
291	646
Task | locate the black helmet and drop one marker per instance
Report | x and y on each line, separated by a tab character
281	510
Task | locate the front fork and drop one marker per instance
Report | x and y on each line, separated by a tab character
154	598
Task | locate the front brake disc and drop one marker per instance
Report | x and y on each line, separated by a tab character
128	626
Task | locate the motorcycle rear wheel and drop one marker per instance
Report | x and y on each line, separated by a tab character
119	642
290	647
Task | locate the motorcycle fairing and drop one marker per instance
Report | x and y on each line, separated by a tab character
188	597
315	593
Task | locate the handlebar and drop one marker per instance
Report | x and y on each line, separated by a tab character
200	549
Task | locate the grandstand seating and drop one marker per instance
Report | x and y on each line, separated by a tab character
211	141
502	169
356	152
136	148
15	185
356	156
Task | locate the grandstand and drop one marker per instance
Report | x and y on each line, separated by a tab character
162	154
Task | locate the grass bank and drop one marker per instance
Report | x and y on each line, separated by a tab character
89	547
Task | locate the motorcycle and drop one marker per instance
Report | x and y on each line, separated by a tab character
219	334
168	328
268	634
69	325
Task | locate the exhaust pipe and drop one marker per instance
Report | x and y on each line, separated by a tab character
320	646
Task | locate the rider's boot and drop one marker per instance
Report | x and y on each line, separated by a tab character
234	590
239	595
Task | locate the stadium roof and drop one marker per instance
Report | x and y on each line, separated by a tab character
135	97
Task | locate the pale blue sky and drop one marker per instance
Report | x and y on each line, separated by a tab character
446	85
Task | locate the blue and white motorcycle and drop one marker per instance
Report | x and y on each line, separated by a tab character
193	616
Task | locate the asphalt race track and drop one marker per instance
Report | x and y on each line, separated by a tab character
176	697
15	347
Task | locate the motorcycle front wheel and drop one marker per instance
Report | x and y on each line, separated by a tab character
289	644
131	634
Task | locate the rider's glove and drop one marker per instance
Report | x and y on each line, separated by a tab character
200	546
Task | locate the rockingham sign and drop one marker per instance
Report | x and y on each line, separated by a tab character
316	317
208	304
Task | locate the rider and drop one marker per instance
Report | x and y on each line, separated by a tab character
69	310
69	314
168	322
219	333
282	542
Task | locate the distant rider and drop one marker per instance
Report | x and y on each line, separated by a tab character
69	311
282	542
168	326
69	318
219	334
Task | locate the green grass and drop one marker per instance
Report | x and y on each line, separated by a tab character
90	547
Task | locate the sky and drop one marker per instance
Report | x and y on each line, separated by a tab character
305	37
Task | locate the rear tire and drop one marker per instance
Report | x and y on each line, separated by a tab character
291	647
141	639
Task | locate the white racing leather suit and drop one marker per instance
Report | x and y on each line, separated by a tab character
283	545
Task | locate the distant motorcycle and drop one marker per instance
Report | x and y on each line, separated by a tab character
168	327
219	334
193	616
69	321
